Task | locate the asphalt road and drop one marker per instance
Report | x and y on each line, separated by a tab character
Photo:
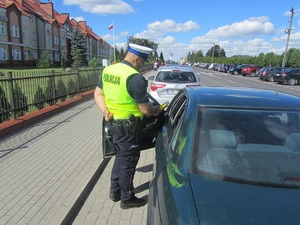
215	78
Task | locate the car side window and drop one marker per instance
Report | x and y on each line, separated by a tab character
176	110
174	124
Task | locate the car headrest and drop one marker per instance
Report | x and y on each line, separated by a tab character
222	139
292	141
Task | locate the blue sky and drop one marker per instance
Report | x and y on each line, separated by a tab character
179	27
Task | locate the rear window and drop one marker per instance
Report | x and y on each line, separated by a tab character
249	146
176	77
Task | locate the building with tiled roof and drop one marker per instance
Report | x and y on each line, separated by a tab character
29	27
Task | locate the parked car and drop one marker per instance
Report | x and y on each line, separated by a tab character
227	155
226	67
211	66
250	70
260	71
289	76
237	70
205	65
170	80
268	72
231	68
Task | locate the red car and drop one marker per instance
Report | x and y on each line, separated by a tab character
250	70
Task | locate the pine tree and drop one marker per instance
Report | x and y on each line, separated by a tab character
78	49
44	62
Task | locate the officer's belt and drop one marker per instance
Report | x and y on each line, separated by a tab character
127	125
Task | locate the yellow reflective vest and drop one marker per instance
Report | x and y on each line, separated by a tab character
117	99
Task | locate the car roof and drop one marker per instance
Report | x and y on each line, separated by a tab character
290	69
176	67
241	97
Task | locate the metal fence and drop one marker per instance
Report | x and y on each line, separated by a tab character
22	92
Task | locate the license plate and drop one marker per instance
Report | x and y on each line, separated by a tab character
172	92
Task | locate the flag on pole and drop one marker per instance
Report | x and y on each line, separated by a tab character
111	26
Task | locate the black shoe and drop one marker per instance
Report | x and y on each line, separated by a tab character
115	196
133	203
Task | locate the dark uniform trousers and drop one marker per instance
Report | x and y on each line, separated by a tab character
126	159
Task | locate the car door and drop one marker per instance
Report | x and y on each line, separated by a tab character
149	131
297	75
162	208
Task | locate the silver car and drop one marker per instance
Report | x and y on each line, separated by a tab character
169	80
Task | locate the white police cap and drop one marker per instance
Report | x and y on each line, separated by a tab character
140	50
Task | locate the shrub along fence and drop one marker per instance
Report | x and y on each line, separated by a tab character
23	92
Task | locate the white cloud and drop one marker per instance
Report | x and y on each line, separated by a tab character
253	26
171	26
102	6
289	13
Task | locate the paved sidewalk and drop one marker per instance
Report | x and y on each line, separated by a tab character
100	210
47	169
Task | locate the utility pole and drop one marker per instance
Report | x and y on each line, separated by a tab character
213	54
288	32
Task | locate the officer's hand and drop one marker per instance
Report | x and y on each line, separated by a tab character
107	115
157	110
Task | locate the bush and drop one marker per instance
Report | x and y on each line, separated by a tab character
20	100
4	106
61	90
94	62
49	93
39	98
72	88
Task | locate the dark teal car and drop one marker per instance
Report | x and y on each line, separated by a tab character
227	156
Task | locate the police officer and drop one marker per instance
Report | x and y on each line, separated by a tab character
121	95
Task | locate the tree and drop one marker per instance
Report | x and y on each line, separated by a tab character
144	42
94	62
216	51
44	62
77	59
78	49
161	57
63	62
293	56
121	54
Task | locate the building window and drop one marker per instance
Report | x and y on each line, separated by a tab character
35	55
67	27
16	54
49	40
56	40
3	54
57	57
2	28
62	42
24	33
26	55
34	36
15	31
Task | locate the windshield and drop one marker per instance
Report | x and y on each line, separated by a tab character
176	76
249	146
